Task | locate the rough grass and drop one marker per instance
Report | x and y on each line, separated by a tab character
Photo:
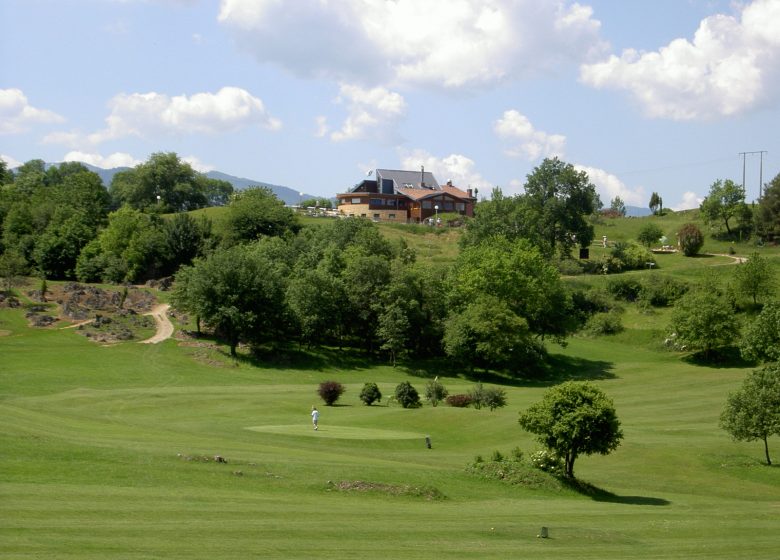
94	444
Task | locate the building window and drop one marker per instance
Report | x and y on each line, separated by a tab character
460	207
426	204
391	216
376	202
448	206
356	201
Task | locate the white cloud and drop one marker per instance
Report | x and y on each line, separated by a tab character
689	200
17	115
150	114
117	159
731	66
10	162
455	167
322	126
198	165
373	113
440	43
530	144
609	186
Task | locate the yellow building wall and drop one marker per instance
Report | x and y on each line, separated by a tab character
358	210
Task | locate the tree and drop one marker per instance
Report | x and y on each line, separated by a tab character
487	334
407	395
164	183
753	411
649	234
767	216
393	330
186	238
761	339
370	394
617	206
12	267
316	300
237	291
723	202
690	239
755	278
655	203
560	199
703	322
256	212
435	392
573	419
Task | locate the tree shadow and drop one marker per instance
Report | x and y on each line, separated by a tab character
724	358
294	357
600	495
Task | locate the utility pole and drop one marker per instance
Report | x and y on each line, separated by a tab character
761	171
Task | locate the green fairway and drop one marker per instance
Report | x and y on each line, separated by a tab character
110	451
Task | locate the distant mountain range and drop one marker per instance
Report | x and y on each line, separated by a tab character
286	194
637	211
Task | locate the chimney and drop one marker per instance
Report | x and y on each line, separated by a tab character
468	192
422	176
449	182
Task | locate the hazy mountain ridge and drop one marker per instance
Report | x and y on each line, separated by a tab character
286	194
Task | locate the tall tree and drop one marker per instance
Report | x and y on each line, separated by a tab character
761	339
767	216
755	278
724	201
617	206
256	212
574	419
655	203
560	199
703	321
753	412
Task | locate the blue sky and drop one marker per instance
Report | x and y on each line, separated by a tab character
645	96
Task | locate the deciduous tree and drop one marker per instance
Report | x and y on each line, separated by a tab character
761	338
753	412
574	419
723	202
755	278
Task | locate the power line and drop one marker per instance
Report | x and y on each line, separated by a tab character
761	171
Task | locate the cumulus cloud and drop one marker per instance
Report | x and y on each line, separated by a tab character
198	165
457	168
10	162
372	113
17	115
689	200
608	186
528	143
732	65
322	126
441	43
117	159
150	114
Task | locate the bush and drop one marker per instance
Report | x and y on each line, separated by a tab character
459	401
477	395
547	461
662	291
330	391
435	392
569	267
632	256
493	398
497	457
604	323
626	288
407	395
691	239
370	394
650	233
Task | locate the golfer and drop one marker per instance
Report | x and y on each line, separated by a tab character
315	416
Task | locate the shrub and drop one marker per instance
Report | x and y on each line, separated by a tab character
477	395
691	239
435	392
632	256
650	233
330	391
569	267
604	323
497	457
493	398
370	394
661	291
459	401
626	288
517	454
407	395
547	461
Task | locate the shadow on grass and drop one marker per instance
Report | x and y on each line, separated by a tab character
316	359
718	359
599	495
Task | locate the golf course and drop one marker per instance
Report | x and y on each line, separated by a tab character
175	449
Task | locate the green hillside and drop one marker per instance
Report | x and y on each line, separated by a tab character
108	450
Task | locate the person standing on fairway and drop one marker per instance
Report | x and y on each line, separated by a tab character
315	416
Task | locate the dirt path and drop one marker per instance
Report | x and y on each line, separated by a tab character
164	325
736	260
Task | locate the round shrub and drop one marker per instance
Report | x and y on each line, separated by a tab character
494	397
435	392
407	395
459	401
604	323
370	394
330	391
691	239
